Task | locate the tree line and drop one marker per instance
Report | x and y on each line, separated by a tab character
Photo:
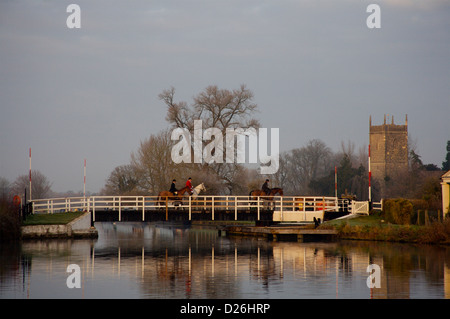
306	170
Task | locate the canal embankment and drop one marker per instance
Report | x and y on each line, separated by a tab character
59	225
375	227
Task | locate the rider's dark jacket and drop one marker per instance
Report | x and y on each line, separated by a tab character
265	188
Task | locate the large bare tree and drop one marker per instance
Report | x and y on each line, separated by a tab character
153	165
306	164
41	187
122	181
219	108
216	108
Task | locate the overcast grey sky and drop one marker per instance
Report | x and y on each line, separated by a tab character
315	68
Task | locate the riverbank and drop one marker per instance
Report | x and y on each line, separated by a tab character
372	227
375	228
59	225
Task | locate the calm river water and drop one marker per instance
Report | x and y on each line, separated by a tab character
148	260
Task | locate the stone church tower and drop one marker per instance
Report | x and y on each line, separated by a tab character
388	148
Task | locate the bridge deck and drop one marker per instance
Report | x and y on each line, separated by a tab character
182	215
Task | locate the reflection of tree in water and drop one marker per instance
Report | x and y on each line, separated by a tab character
206	268
262	264
14	263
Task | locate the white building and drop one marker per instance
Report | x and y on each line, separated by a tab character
445	193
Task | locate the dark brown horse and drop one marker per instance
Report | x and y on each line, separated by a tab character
162	196
274	191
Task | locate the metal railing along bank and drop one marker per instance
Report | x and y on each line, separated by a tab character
147	204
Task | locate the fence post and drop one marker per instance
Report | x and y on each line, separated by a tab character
93	209
190	208
212	207
235	208
258	198
143	208
120	209
167	208
281	203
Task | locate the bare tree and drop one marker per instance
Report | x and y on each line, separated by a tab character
152	163
4	188
308	163
41	187
121	181
349	151
363	157
282	177
217	108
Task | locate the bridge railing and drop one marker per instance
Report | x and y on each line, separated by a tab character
293	203
377	205
65	204
191	205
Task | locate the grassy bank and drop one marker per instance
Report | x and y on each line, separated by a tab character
374	227
52	219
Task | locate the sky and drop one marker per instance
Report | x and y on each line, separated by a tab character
316	69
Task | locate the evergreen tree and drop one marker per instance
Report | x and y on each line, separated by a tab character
350	180
446	163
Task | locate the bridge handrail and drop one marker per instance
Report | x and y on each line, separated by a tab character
206	202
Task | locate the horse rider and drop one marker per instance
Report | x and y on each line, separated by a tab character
265	187
189	184
173	189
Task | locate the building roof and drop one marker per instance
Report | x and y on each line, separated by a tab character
446	175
